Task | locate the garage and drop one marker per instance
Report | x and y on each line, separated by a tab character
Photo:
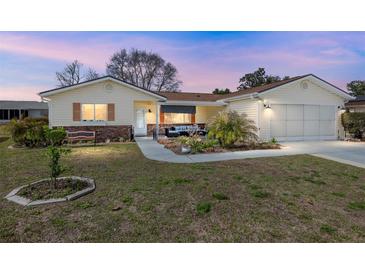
303	122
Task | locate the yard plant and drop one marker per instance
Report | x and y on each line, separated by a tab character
54	153
354	123
229	127
196	143
28	131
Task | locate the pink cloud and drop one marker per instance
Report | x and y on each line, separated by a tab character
55	50
21	93
321	42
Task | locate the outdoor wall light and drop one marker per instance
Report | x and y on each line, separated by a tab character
341	108
267	106
149	110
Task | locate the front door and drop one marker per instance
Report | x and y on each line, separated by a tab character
141	126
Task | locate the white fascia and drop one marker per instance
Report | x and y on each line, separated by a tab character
53	92
193	103
240	97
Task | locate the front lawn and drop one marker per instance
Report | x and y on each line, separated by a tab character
282	199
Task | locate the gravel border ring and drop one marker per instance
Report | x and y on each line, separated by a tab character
13	197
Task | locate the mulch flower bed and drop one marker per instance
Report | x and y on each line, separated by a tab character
47	190
175	146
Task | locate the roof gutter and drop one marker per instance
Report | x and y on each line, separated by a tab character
194	103
240	97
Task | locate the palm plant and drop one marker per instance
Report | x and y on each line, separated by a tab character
229	127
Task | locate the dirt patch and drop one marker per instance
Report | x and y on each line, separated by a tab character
48	190
175	146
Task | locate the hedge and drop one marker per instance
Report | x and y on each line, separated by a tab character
354	123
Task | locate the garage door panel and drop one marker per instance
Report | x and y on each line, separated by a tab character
312	121
327	113
294	112
294	128
278	128
311	128
278	112
326	128
311	112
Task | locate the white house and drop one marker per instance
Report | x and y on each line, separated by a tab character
300	108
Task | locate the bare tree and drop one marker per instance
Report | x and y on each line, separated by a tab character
144	69
72	74
91	74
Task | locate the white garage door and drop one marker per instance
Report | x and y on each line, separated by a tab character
302	122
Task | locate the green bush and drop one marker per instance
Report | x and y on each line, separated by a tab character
54	137
229	127
196	143
54	154
203	207
354	123
34	132
220	196
28	131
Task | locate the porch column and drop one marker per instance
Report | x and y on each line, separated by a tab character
157	121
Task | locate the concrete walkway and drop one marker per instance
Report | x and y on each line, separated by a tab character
344	152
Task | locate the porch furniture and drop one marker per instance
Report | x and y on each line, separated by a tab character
176	131
81	135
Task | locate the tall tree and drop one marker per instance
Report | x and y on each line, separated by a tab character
258	78
73	74
91	74
144	69
357	87
221	91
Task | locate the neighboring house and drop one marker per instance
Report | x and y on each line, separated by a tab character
357	105
301	108
16	109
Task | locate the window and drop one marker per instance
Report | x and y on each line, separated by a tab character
94	112
24	113
4	114
177	118
14	113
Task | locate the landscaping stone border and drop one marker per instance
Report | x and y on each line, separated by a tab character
12	196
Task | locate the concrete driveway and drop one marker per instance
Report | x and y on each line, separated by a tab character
340	151
352	153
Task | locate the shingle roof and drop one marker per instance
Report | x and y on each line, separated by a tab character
191	96
359	101
23	105
359	98
263	88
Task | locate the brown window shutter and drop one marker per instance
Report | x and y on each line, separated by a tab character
193	118
111	112
76	111
162	117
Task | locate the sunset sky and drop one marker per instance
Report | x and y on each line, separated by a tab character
205	60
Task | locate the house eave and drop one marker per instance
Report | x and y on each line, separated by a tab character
193	103
46	94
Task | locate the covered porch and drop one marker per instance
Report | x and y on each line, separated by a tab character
151	115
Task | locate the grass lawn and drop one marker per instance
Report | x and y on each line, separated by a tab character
283	199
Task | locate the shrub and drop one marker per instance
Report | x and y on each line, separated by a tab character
203	207
28	131
229	127
354	123
327	229
273	141
54	154
54	137
196	143
220	196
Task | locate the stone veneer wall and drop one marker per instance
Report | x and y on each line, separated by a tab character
103	133
151	127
